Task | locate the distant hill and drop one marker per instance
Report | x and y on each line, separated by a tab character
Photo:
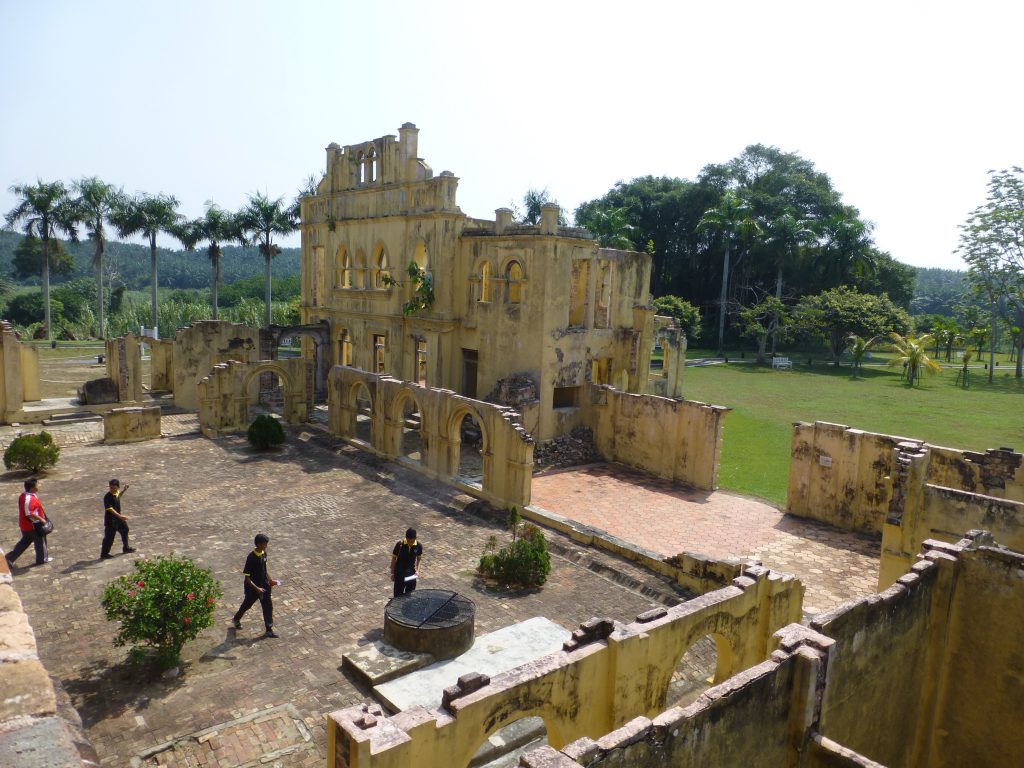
938	290
177	268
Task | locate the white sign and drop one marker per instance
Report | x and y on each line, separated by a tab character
825	461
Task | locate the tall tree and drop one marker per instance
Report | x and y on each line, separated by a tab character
786	235
992	244
260	220
836	313
216	226
610	226
729	221
44	210
148	215
96	202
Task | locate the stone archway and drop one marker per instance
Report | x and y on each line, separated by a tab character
320	333
406	418
466	459
224	393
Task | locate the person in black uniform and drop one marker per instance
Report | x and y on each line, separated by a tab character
257	586
405	562
113	521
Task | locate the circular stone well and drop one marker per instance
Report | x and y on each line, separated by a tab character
435	621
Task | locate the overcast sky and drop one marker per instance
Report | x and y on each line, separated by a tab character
906	105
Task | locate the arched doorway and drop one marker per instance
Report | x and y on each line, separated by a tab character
703	664
409	413
503	747
364	413
471	439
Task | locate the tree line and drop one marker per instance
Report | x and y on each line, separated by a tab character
49	210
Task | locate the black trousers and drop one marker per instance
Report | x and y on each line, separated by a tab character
109	531
403	587
29	537
251	596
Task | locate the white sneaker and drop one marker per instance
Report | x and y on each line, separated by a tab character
47	560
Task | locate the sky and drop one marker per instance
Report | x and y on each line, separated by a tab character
906	105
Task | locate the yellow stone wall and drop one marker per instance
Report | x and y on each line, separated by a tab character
506	452
124	367
606	676
226	392
12	391
543	300
201	346
676	439
929	673
30	391
161	365
130	425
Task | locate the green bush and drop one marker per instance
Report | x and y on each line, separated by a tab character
265	432
162	604
525	562
32	452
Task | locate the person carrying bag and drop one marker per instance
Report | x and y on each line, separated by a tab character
34	525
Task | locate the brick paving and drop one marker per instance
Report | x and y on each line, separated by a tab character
834	565
332	513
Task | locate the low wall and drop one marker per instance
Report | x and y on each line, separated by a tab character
678	440
506	454
920	510
19	374
130	425
34	731
843	476
606	675
931	672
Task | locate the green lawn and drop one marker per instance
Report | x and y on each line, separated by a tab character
765	403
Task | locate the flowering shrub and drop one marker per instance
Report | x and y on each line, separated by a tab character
163	603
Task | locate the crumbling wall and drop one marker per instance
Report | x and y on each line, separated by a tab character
130	425
838	475
161	365
507	448
920	510
606	675
676	439
201	346
224	393
843	476
124	367
35	732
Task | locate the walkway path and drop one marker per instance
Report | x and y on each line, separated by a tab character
835	566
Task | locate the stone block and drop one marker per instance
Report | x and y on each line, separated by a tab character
26	690
98	391
16	638
130	425
43	743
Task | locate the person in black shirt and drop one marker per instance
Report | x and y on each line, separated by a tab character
113	521
405	562
257	586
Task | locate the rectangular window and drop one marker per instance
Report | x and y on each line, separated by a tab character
469	367
566	397
578	292
420	375
379	342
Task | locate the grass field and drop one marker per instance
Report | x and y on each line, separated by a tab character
765	403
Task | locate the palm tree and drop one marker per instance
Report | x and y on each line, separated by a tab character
611	227
263	218
730	220
96	203
847	252
147	215
912	354
858	348
44	210
786	235
309	188
215	226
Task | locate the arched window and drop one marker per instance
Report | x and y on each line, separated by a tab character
485	282
371	165
359	271
381	272
602	314
514	282
361	163
343	268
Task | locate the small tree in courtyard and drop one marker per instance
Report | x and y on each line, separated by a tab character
265	432
162	604
524	562
34	453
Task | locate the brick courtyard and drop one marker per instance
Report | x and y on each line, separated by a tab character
333	514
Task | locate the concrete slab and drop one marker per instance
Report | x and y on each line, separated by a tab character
378	662
491	654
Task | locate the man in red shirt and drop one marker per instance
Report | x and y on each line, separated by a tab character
30	512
